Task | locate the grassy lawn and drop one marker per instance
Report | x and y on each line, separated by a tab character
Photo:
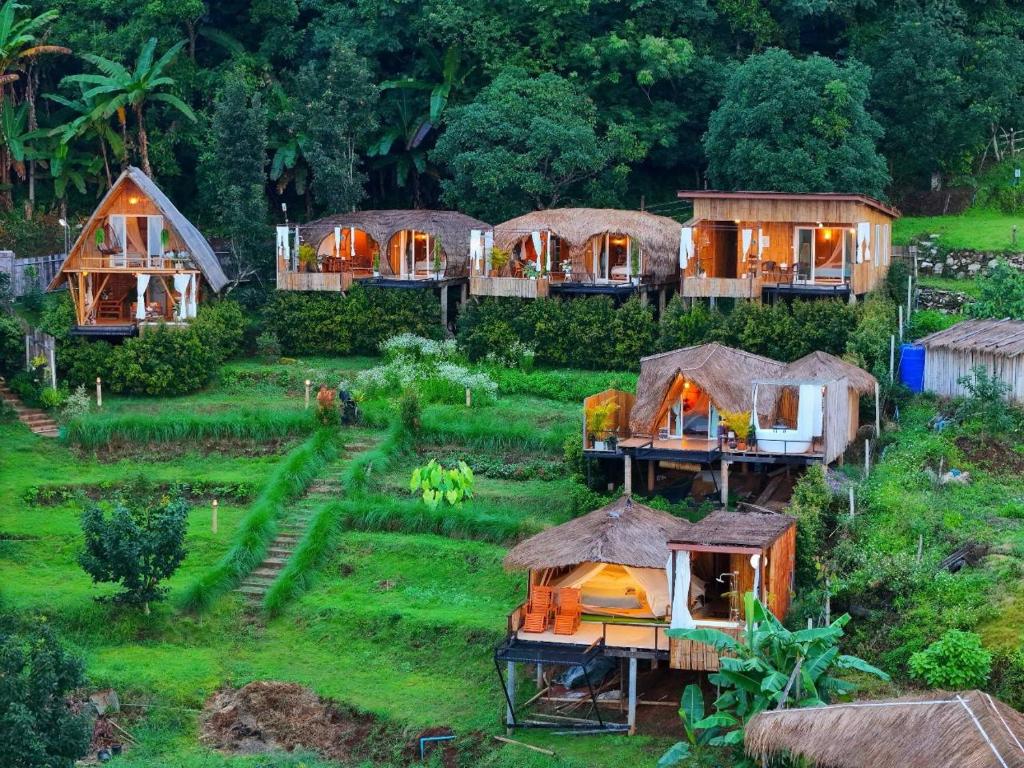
980	230
968	286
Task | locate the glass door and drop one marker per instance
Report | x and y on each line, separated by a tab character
804	246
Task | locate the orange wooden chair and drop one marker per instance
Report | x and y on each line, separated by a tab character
568	612
538	610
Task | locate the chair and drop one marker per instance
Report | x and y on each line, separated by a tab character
569	611
538	610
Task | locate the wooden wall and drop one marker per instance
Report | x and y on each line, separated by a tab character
625	401
698	657
780	570
944	367
836	424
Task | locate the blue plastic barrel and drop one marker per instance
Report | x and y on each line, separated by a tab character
912	367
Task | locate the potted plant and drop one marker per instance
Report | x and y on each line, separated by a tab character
101	238
375	260
307	257
567	268
599	419
499	259
437	258
634	264
165	239
739	428
530	271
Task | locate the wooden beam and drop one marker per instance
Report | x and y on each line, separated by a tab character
510	689
724	484
728	549
650	476
627	464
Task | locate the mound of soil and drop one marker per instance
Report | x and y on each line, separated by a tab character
268	716
992	454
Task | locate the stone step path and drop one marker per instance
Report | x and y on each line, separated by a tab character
294	522
37	420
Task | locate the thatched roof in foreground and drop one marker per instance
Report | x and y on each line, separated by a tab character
994	337
657	235
742	529
451	226
940	730
821	366
623	532
726	374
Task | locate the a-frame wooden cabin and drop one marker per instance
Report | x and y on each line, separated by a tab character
137	260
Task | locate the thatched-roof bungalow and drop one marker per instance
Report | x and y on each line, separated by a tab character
635	571
395	248
770	244
937	730
995	345
697	405
137	260
579	251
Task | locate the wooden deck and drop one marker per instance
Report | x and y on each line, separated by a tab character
645	637
687	443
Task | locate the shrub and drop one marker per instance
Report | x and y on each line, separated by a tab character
1001	294
868	342
927	321
221	327
682	327
896	282
955	662
58	316
50	398
138	546
809	505
984	405
37	728
267	346
409	411
80	362
634	334
1008	677
12	345
27	388
163	361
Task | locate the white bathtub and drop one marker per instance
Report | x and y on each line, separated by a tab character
782	440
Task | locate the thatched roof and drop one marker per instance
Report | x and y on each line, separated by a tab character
823	367
658	236
741	529
451	227
995	337
726	374
966	730
199	249
623	532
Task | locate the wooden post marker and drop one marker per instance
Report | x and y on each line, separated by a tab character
853	509
892	356
469	397
867	458
213	518
308	385
99	393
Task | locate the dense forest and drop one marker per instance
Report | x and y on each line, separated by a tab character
242	107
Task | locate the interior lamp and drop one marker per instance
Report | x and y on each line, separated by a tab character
755	561
133	200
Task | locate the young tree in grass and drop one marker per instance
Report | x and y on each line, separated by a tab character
137	546
795	125
36	727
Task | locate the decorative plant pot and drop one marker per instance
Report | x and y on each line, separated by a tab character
600	445
376	273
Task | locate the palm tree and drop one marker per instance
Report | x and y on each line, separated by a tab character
88	121
123	89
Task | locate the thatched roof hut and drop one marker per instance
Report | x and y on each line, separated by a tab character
740	529
657	236
624	532
823	367
940	730
726	374
953	354
1001	337
450	227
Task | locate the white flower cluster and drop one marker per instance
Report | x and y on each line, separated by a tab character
415	361
409	345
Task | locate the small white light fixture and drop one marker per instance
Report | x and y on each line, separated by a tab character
755	561
63	223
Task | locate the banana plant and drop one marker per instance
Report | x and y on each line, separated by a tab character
87	121
437	484
700	730
771	667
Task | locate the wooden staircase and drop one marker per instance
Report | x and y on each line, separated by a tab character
292	525
35	419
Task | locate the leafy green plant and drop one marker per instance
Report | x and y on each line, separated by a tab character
601	418
307	257
738	422
769	666
438	251
437	484
700	731
984	404
409	411
956	661
138	546
51	398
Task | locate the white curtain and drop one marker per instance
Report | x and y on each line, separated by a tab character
748	236
547	249
181	286
475	251
757	575
863	241
337	241
193	297
537	246
488	247
352	242
685	246
580	575
283	246
679	585
595	251
141	284
655	584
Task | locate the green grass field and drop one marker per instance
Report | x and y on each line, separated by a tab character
978	229
399	616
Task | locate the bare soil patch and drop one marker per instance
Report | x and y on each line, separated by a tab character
116	451
991	454
268	716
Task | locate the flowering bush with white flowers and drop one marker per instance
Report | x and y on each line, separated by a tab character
431	367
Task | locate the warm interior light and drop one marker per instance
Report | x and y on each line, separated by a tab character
133	200
828	234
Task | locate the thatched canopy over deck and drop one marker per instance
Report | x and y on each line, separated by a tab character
741	529
823	367
726	374
940	730
1004	338
658	236
450	227
624	532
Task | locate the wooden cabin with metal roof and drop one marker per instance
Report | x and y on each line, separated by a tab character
770	245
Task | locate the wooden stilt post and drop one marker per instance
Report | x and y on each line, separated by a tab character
444	310
510	688
661	302
213	517
99	393
631	715
901	322
878	413
540	676
867	458
650	476
53	366
724	484
627	472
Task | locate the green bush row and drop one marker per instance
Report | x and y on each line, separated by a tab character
95	430
567	386
289	480
333	324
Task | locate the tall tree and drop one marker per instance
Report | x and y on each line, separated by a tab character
87	121
795	125
525	142
124	89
